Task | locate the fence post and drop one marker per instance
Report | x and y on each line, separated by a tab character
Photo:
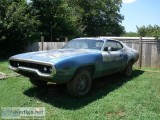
42	41
66	39
140	52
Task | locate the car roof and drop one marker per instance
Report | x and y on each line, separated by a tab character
99	38
94	38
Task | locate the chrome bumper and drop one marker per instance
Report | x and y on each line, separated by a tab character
31	70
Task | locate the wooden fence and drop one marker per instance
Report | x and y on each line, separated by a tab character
149	49
37	46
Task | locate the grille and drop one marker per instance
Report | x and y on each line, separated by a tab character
40	67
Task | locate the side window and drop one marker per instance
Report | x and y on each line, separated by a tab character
119	46
111	44
114	45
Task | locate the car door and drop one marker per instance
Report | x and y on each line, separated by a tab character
112	58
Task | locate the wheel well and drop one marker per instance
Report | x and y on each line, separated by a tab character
90	68
132	60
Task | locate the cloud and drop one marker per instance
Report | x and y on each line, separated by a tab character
128	1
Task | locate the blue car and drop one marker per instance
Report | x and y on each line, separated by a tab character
76	64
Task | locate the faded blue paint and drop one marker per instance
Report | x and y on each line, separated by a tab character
71	63
67	61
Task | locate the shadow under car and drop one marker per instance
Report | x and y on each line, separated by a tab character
57	95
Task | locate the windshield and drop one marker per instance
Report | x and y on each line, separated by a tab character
84	44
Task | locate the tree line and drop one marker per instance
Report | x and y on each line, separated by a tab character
22	23
145	31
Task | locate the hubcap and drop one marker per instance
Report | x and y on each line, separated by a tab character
82	83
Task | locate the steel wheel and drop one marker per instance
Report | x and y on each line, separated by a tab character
80	84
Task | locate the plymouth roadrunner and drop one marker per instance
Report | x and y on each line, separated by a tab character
79	62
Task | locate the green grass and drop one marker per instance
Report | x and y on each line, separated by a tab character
147	69
153	69
113	97
4	67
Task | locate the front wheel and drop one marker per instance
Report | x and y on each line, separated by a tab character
80	84
38	83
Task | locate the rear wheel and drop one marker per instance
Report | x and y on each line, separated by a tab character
128	70
80	84
38	83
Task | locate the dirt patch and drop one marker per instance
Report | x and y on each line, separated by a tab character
5	76
119	113
2	76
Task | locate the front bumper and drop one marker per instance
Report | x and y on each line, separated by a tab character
22	66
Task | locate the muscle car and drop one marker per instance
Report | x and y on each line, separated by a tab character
76	64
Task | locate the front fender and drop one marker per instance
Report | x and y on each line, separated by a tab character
65	68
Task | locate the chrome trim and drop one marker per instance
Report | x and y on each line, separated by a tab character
34	71
20	68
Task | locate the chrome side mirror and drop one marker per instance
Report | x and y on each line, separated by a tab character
108	49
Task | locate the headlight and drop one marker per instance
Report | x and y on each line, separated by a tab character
45	69
50	69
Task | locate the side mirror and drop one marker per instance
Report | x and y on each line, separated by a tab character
108	49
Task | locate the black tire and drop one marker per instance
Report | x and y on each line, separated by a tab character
38	83
128	70
80	85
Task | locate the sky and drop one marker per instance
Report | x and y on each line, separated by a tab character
139	13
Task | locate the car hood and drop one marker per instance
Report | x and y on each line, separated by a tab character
53	55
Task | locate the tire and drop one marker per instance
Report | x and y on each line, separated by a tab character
38	83
80	85
128	70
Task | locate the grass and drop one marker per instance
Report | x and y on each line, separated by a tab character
112	97
152	69
4	67
147	69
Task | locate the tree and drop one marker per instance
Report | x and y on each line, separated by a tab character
57	19
22	22
72	18
149	31
141	31
130	34
100	17
18	26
